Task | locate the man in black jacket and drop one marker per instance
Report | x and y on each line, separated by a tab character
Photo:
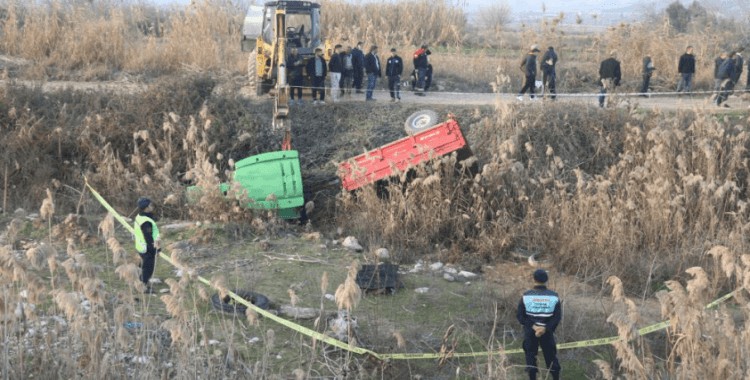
549	61
348	75
421	62
528	67
686	68
726	73
295	64
646	70
540	311
393	70
335	67
317	70
717	81
739	64
372	67
610	77
358	60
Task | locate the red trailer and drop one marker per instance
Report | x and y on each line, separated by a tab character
427	143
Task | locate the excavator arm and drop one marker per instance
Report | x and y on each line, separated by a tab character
281	103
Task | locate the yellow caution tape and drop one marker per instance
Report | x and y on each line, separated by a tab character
396	356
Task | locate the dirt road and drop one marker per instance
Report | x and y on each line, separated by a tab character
663	102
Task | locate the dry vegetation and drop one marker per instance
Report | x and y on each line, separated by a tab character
645	197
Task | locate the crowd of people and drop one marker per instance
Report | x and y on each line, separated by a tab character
727	71
349	67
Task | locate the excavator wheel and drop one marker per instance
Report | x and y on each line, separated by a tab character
256	85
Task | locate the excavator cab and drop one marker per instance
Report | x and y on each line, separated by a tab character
272	30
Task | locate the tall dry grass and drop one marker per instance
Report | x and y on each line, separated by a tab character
96	40
599	193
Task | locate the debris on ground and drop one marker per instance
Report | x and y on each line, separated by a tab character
298	312
422	290
383	278
382	254
351	243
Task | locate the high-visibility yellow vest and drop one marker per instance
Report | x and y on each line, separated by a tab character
140	240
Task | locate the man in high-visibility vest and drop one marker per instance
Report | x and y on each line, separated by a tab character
147	239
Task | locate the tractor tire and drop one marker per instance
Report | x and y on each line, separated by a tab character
256	85
228	305
420	121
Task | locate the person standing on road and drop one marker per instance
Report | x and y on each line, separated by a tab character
540	311
717	81
317	69
336	67
296	64
739	64
147	239
647	70
348	75
528	67
726	73
358	60
686	68
421	62
393	70
610	76
372	67
549	61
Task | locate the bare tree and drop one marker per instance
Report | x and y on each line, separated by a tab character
492	18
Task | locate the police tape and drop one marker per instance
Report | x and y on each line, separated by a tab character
392	356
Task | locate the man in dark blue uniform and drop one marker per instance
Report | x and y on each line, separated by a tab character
540	311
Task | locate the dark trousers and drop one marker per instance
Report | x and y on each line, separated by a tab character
149	262
428	78
531	348
726	88
549	84
394	84
529	85
646	81
358	77
422	76
318	85
686	80
297	85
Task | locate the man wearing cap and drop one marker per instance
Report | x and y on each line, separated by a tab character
540	311
147	239
528	67
609	76
393	70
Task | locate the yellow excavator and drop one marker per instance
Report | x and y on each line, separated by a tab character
268	33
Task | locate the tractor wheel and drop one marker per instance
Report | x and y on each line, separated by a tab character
256	86
420	121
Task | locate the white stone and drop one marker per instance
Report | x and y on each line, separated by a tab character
331	297
467	283
448	277
154	280
422	290
382	254
352	243
467	275
254	340
164	291
278	357
450	270
436	266
24	294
